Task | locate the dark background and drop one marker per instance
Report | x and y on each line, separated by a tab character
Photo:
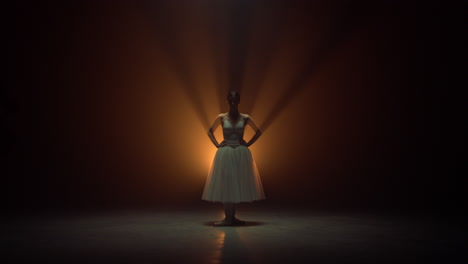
107	102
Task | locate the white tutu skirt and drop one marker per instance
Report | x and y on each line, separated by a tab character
233	177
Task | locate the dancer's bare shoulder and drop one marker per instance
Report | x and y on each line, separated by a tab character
222	115
245	116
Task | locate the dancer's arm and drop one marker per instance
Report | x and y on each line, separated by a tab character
213	127
258	133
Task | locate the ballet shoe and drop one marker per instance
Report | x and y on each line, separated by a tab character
224	222
238	221
227	222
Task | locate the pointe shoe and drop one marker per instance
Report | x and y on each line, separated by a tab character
238	222
224	222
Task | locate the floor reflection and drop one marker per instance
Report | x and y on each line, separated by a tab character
229	247
218	247
183	237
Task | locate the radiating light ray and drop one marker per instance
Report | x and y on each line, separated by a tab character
268	24
179	62
230	29
344	30
240	15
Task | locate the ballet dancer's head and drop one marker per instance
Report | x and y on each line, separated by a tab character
233	98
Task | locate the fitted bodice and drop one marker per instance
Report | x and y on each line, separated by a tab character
233	130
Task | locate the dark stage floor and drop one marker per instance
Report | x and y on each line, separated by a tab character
270	236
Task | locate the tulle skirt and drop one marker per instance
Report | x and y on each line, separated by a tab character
233	177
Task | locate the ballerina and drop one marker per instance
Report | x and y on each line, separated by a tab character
233	176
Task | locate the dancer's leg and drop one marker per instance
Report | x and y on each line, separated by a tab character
234	219
229	211
230	216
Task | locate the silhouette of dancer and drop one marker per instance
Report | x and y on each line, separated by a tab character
233	176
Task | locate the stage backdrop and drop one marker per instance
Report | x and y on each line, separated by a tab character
110	101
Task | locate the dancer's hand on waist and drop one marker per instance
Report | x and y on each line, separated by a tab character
243	143
222	144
